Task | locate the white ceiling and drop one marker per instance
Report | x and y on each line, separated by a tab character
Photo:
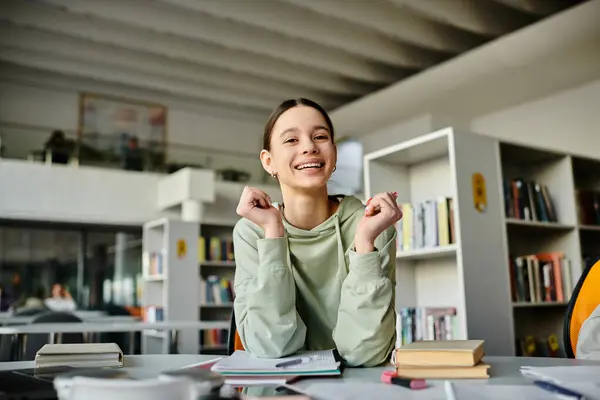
248	55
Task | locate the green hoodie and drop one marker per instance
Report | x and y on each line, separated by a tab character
309	290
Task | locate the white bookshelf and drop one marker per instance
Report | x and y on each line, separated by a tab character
469	274
168	273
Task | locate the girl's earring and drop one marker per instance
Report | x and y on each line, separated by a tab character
274	175
334	168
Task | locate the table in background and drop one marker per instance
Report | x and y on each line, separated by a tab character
54	330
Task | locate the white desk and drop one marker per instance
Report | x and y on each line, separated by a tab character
54	330
504	370
22	320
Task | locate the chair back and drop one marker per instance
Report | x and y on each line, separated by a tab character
583	301
233	342
84	388
37	340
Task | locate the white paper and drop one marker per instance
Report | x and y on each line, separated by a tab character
564	375
244	361
360	390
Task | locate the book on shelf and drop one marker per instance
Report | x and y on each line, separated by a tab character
528	200
446	359
538	278
532	346
426	224
215	248
213	338
152	314
216	290
426	323
153	263
588	207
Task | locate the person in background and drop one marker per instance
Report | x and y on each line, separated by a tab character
58	148
317	271
60	300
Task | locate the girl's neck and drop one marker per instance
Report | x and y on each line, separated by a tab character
307	210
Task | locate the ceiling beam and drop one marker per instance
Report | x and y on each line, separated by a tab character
482	17
52	19
22	75
322	30
161	17
403	25
120	75
58	45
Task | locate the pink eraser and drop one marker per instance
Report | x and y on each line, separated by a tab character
387	375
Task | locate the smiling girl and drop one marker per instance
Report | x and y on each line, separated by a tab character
317	271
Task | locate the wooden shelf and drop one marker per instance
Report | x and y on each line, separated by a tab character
589	228
542	304
223	305
427	253
229	264
538	224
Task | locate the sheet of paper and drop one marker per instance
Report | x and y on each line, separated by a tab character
568	374
359	390
241	360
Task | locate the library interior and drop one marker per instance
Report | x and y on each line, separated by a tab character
479	118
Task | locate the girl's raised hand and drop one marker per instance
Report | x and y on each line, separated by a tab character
382	212
256	206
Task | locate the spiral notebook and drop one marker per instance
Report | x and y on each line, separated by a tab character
242	363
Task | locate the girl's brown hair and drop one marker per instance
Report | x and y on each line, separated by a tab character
283	107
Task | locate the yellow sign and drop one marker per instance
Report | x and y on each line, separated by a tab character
181	248
479	192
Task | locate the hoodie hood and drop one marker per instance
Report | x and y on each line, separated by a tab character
346	212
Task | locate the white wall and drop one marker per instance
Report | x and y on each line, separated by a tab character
567	121
51	109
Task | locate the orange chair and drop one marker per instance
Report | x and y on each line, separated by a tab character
584	300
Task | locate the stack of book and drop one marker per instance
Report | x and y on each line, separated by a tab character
79	355
446	359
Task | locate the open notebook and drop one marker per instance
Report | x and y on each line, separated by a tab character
242	363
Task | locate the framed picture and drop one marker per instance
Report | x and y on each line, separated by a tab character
110	125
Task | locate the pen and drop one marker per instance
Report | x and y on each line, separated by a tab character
449	389
559	390
293	362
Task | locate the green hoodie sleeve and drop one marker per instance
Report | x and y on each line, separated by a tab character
365	332
265	295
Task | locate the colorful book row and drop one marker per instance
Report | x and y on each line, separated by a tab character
215	290
215	249
528	200
154	264
426	224
427	323
539	278
214	337
152	314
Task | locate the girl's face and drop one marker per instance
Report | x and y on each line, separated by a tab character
302	152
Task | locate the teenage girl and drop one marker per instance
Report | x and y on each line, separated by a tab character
316	272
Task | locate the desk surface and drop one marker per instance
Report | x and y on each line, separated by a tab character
121	326
504	370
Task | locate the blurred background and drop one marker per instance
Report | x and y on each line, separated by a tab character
116	113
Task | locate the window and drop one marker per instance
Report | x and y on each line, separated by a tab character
348	176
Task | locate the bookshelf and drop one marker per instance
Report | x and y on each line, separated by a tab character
455	259
169	268
545	242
